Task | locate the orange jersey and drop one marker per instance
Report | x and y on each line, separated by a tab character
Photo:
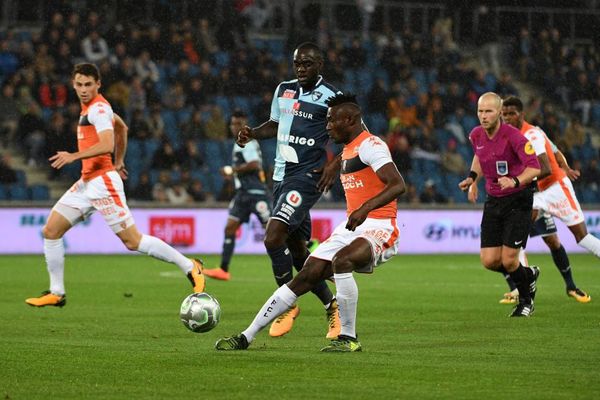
96	114
361	158
538	138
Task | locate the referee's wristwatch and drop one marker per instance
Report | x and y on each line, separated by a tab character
516	181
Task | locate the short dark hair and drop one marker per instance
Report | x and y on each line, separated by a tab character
87	69
340	99
311	46
513	101
237	113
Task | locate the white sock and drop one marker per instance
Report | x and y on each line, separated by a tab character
158	249
282	299
54	251
523	258
591	243
347	299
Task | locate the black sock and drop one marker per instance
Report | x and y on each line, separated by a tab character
281	260
520	277
228	246
561	260
511	283
321	290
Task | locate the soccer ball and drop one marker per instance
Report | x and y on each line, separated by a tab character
200	312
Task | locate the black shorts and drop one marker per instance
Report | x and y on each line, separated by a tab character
243	204
544	225
293	200
507	220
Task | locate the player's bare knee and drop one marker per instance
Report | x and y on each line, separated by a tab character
50	232
342	264
491	262
132	244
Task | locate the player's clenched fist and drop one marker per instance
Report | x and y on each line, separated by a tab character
244	136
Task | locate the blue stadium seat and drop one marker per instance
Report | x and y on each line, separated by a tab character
3	192
18	192
21	177
221	59
39	192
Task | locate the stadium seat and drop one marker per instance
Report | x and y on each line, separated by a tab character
3	192
18	192
39	192
21	177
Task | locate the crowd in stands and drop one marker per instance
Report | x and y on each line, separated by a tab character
176	85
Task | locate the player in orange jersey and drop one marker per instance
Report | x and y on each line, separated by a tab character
555	197
366	239
100	133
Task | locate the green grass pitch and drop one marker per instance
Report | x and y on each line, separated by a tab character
430	326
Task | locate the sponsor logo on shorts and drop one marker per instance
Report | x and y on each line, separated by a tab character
294	198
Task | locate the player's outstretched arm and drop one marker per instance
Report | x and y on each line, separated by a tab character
329	172
264	131
394	187
573	174
121	130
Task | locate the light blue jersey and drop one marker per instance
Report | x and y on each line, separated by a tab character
301	134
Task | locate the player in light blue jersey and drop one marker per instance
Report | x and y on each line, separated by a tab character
251	196
298	120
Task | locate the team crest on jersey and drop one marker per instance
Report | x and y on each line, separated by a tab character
502	167
529	150
293	198
288	94
316	95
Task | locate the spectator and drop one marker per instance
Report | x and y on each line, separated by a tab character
143	190
159	189
175	97
155	123
575	134
216	126
53	94
31	133
178	195
196	96
94	47
196	190
165	158
401	150
7	174
145	68
58	138
189	156
10	115
137	95
430	194
194	127
590	175
505	86
452	161
377	97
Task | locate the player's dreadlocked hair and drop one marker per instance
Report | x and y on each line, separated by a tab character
340	99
